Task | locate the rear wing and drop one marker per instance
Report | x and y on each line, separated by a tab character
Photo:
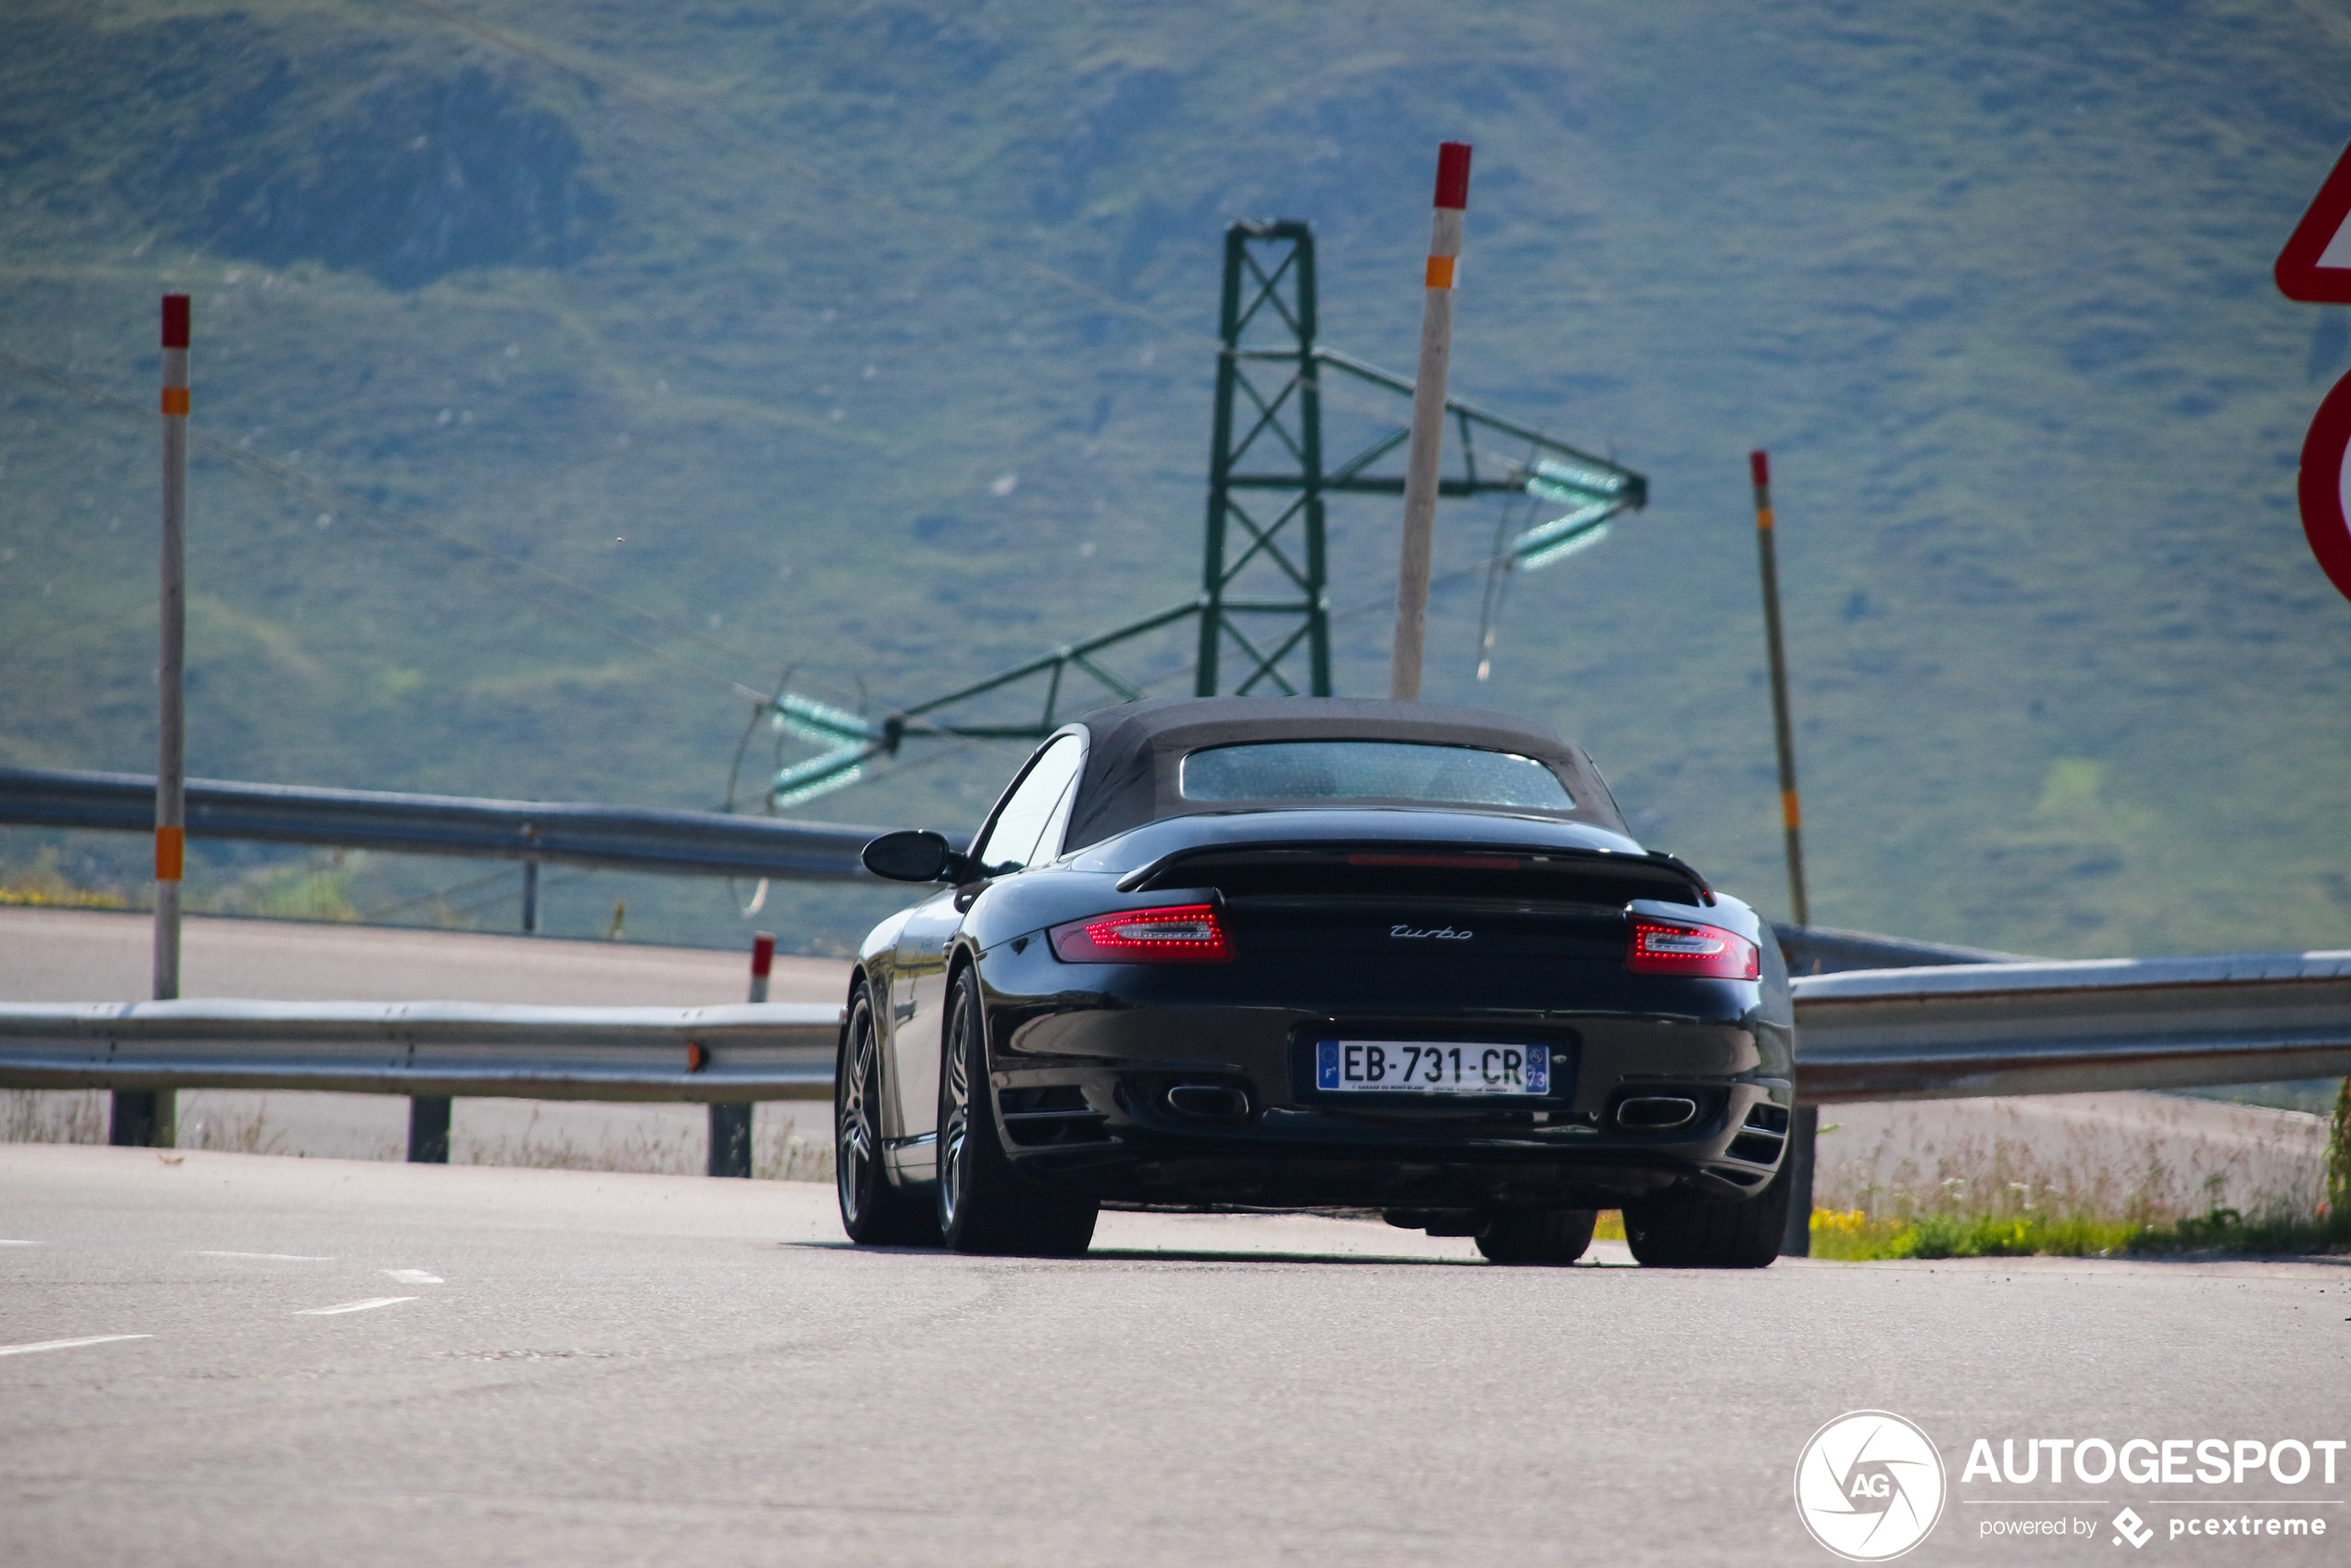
1393	867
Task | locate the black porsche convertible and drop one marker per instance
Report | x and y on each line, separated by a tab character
1245	954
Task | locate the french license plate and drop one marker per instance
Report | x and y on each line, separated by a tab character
1430	1066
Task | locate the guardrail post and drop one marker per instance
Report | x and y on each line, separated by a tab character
1803	1129
143	1118
428	1130
730	1124
730	1139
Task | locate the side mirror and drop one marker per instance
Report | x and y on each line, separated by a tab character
914	855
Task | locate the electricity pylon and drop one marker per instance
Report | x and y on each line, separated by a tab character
1266	323
1264	608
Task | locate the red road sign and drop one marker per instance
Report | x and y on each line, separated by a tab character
2325	517
2315	266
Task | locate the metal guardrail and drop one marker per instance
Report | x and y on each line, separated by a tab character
2066	1027
428	1049
1825	950
1919	1033
1881	1034
696	843
703	843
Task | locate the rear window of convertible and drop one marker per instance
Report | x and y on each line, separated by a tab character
1372	770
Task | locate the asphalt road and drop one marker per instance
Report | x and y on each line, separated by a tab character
349	1362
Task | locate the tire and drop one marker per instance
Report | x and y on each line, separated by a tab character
985	1205
874	1213
1710	1232
1551	1238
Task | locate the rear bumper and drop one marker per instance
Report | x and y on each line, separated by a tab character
1083	1097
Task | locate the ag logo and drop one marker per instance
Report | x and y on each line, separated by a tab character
1869	1486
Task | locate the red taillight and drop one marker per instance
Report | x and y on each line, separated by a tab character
1709	951
1184	934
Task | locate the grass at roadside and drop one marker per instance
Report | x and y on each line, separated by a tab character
43	885
1854	1235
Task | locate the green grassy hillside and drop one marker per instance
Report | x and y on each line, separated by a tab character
734	329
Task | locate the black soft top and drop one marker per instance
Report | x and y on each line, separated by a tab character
1133	752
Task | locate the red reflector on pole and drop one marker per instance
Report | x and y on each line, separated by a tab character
1760	464
762	954
1452	175
175	321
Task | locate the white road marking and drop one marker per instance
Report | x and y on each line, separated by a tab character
19	1243
412	1276
282	1257
68	1344
355	1306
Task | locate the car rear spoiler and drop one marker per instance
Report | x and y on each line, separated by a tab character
1651	861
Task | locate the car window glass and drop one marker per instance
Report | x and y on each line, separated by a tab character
1011	842
1372	770
1049	842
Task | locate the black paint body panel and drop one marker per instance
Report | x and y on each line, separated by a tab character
1083	1056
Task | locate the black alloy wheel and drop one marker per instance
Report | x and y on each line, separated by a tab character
1551	1238
984	1204
874	1213
1710	1232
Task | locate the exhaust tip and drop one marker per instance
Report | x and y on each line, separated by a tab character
1655	1113
1210	1103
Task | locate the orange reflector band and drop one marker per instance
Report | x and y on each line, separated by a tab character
171	852
1788	811
1762	516
1440	272
174	402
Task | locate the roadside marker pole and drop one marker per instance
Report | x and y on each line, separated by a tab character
1791	813
1804	1126
147	1117
730	1124
1428	419
763	961
171	769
